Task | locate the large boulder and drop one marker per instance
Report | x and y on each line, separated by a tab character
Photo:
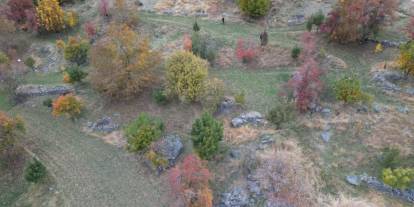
30	90
105	124
252	117
169	147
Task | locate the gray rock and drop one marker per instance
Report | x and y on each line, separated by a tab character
254	188
326	136
386	80
169	147
353	180
376	107
326	113
252	117
235	153
31	90
235	198
362	109
226	105
105	124
296	20
410	91
403	109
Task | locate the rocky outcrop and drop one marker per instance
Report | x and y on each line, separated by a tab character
169	147
252	117
235	198
105	124
31	90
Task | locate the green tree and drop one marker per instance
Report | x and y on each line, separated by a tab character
35	172
206	134
142	132
76	51
186	76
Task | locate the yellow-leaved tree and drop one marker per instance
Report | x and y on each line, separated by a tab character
406	58
123	63
50	15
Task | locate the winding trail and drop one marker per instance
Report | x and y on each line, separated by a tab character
88	171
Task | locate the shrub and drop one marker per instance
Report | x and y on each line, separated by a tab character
206	135
48	102
160	97
69	105
296	52
390	158
76	51
366	19
4	59
190	182
29	62
90	29
196	28
35	172
203	47
316	19
71	19
240	98
125	14
245	51
186	76
123	63
74	74
406	58
187	43
50	15
213	95
348	89
142	132
156	159
401	178
10	127
282	113
254	8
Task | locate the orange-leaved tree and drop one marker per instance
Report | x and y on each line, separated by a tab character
69	105
190	182
123	63
9	128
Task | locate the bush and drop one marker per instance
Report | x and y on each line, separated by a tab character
74	74
203	47
196	28
316	19
22	12
76	51
160	97
189	181
186	76
390	158
90	29
406	58
125	14
213	95
240	98
4	59
35	172
348	89
50	15
69	105
156	159
123	63
71	19
142	132
245	51
401	178
206	135
295	52
29	62
254	8
48	102
282	113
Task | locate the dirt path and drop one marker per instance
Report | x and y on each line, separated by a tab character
88	171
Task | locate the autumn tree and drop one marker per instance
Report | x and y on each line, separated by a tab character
189	181
123	63
125	13
50	15
68	105
76	50
186	76
246	51
22	12
10	127
306	85
187	43
104	8
356	20
406	58
90	29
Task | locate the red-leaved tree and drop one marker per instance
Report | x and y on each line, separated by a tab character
22	12
306	85
90	29
187	43
245	51
104	8
190	182
356	20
